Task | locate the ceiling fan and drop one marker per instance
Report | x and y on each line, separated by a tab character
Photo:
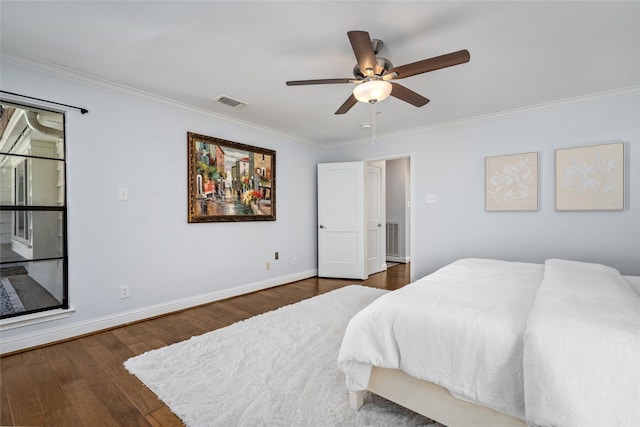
373	74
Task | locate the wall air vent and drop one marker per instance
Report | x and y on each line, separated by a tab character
393	239
231	102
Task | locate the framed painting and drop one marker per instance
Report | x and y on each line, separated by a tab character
511	182
229	181
590	178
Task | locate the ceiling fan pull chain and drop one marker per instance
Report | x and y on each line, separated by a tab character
373	123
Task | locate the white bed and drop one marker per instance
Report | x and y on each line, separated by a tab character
468	344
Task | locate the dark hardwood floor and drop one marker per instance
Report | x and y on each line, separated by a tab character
82	382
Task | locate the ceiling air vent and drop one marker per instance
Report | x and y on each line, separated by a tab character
231	102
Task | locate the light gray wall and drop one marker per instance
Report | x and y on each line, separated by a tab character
146	242
449	163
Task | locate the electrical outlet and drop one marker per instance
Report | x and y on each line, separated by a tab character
294	260
124	292
268	266
431	198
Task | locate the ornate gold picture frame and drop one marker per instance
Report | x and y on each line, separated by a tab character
229	181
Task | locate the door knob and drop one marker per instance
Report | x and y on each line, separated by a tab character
322	226
379	225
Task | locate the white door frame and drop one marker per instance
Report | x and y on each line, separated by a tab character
376	255
411	157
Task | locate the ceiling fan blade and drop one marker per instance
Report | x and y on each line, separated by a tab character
431	64
350	102
408	95
361	44
319	82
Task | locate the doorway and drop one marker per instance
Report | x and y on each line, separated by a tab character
398	211
354	216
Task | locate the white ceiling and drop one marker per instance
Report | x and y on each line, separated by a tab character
522	54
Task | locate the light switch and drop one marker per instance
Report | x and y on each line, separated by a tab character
122	194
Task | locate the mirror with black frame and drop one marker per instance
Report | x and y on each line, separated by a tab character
33	259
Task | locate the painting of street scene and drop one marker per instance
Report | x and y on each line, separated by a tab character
229	181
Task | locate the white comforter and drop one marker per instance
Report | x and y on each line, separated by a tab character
563	337
582	348
460	327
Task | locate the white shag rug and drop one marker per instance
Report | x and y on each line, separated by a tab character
274	369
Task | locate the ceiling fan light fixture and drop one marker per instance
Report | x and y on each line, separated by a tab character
372	91
373	73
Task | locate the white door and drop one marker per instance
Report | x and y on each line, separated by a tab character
374	183
341	220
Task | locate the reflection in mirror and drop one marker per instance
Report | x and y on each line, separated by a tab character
32	210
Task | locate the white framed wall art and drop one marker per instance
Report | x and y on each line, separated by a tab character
511	182
590	178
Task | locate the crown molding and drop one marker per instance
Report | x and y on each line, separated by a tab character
66	73
60	71
616	93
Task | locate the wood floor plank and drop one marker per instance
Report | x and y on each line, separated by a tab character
83	382
196	324
189	317
66	416
5	413
229	312
125	336
92	364
90	409
250	309
64	363
163	417
116	385
138	394
161	334
208	319
104	382
88	341
48	388
74	354
107	360
33	357
136	328
176	327
22	398
148	341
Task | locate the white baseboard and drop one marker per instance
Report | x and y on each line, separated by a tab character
400	259
71	330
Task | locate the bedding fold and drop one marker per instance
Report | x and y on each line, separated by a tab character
582	348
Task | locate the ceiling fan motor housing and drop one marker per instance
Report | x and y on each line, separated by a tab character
382	66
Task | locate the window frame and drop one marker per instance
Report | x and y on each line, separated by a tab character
59	205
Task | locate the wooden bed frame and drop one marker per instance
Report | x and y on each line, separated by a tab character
431	400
